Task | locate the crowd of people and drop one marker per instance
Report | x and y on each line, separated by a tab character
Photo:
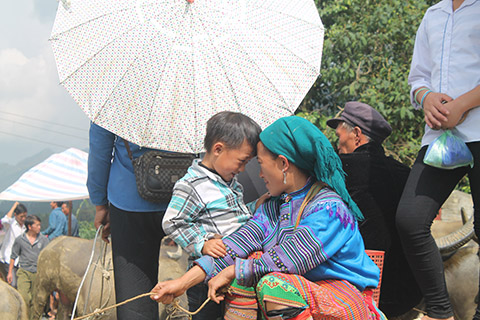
23	242
298	251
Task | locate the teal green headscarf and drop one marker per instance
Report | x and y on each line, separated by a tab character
306	146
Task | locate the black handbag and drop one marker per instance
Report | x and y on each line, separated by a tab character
157	171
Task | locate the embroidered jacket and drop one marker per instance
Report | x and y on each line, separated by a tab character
326	244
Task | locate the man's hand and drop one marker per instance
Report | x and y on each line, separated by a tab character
166	291
102	217
215	248
221	280
435	111
9	278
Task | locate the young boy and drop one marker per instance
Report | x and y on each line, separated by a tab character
27	247
207	203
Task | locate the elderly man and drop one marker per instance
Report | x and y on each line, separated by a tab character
376	183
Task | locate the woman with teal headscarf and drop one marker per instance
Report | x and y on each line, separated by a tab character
313	263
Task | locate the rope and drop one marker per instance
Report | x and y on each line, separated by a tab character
115	305
175	303
86	271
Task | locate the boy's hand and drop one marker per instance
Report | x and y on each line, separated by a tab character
166	291
435	111
264	197
214	248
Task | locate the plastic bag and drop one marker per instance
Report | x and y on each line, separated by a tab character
448	152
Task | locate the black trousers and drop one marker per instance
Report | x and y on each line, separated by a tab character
426	190
136	240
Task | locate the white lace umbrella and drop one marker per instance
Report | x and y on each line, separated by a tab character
154	71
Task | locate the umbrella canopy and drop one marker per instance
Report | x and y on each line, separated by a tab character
61	177
154	71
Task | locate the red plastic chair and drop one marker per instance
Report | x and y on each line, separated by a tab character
377	256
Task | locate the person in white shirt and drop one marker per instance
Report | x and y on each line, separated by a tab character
445	82
13	223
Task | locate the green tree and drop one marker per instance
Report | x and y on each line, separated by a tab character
366	56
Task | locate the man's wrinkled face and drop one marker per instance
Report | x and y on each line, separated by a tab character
346	139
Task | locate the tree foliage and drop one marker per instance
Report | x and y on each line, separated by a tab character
366	56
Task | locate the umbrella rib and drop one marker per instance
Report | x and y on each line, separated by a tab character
86	22
222	65
96	53
256	64
288	15
144	135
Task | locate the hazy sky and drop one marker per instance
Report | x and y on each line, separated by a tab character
35	111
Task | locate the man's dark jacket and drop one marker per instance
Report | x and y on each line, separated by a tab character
376	182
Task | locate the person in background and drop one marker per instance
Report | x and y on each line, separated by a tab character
445	82
375	182
13	222
135	224
67	210
56	221
26	248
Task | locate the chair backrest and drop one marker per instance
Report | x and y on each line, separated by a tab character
377	256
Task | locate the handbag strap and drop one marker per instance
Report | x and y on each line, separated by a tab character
127	146
314	189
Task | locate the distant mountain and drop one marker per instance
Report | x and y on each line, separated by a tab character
10	173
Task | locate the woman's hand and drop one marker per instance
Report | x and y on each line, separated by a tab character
454	116
215	248
166	291
435	111
221	280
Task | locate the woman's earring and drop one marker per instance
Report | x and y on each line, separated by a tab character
284	177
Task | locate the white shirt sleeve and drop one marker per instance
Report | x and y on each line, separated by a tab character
420	69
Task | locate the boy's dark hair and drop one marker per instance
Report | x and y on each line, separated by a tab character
59	203
20	208
30	220
231	128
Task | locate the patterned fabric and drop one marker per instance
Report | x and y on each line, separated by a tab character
153	72
326	299
240	301
326	245
204	205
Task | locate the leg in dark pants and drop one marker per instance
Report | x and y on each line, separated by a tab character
426	190
136	240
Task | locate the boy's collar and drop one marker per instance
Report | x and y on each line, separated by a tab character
229	183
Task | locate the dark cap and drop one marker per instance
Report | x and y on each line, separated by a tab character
361	115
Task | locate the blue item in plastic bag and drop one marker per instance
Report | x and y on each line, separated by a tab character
448	152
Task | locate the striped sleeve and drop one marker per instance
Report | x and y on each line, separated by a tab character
240	244
320	234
